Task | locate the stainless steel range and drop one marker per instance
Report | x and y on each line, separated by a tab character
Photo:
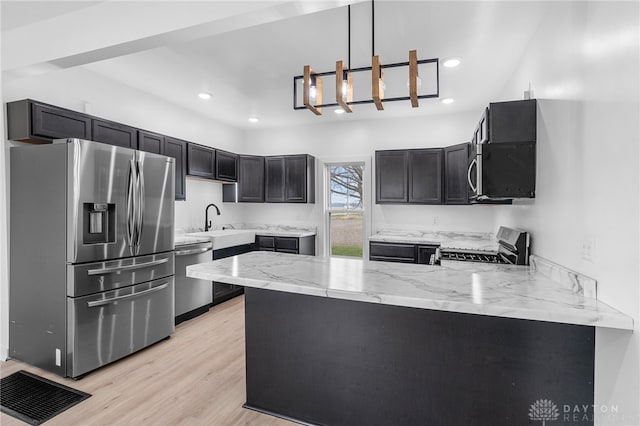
513	249
92	263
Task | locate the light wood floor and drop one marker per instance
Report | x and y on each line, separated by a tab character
197	377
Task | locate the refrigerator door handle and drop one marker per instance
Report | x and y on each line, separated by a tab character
131	206
103	271
96	303
141	194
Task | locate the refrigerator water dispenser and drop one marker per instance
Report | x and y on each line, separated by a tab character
99	219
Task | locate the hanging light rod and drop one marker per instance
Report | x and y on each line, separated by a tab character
312	81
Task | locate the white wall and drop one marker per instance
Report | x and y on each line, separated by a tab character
583	65
355	139
73	88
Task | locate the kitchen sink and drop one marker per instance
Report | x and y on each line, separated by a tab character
227	238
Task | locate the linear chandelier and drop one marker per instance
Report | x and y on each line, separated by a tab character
312	95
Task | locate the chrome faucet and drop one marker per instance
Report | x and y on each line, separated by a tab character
207	222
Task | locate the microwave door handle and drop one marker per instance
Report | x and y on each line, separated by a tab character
103	302
474	161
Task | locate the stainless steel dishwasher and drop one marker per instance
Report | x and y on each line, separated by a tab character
193	296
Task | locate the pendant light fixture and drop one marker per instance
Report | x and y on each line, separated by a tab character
344	94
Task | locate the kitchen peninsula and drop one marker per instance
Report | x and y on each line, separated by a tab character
340	341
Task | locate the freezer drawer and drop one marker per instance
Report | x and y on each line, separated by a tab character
108	326
90	278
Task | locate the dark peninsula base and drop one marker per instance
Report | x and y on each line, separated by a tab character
326	361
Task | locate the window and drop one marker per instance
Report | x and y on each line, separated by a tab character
345	210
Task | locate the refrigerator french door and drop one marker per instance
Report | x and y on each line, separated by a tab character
91	253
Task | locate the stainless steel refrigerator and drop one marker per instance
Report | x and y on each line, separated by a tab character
91	253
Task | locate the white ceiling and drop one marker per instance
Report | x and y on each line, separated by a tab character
250	71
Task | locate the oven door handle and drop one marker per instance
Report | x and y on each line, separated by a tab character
473	188
115	269
96	303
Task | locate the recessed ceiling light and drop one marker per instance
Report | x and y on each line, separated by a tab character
253	119
447	100
339	110
451	62
204	95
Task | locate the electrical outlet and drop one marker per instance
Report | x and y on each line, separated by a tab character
588	248
436	220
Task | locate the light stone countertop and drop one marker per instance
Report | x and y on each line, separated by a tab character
486	289
275	230
182	240
476	241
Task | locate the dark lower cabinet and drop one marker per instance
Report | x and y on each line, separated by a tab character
36	122
425	176
226	166
250	179
456	160
201	161
114	134
295	245
150	142
177	149
391	176
222	291
403	252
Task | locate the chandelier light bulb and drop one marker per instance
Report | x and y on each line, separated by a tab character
313	92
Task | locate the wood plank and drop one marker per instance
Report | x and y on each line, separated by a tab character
340	99
195	377
377	83
413	78
306	94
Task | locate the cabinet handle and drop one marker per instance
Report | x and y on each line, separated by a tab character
95	303
473	188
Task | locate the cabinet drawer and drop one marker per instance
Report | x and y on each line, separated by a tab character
392	252
287	243
266	242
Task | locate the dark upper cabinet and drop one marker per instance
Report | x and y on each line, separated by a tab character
250	179
201	161
114	134
513	121
35	122
226	166
290	179
425	176
391	176
150	142
456	159
274	180
178	149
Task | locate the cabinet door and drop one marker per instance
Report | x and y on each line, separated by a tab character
150	142
250	179
425	176
201	161
114	134
513	121
426	254
226	166
275	179
58	123
456	160
295	177
178	149
391	177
